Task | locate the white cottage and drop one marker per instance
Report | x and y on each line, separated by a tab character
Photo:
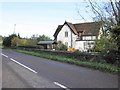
79	36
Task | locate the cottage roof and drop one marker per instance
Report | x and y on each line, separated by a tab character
46	42
58	30
89	28
72	27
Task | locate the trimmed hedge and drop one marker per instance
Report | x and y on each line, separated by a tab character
82	56
112	57
29	46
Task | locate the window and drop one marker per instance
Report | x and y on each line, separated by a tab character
84	38
88	45
66	34
93	37
89	37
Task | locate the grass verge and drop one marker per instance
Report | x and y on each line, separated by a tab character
1	46
94	65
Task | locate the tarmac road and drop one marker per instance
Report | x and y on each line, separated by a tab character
16	76
39	72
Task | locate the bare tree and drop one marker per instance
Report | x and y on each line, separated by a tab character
107	13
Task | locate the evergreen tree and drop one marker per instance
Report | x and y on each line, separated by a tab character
7	41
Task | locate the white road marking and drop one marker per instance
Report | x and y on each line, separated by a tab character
4	55
60	85
23	65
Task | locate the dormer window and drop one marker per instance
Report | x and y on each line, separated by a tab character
79	35
66	34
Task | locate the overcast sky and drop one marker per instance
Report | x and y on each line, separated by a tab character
38	17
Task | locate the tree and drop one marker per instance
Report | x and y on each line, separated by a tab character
108	12
33	40
24	42
43	38
1	40
15	42
109	15
7	40
18	35
34	36
116	35
105	44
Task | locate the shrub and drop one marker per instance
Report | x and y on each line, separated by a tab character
7	42
31	47
105	44
60	46
111	56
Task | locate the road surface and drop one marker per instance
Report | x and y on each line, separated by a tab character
28	71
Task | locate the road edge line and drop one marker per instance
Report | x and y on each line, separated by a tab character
4	55
23	65
60	85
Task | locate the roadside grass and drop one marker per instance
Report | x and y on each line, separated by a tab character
95	65
1	46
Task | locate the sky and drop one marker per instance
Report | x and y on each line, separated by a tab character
28	18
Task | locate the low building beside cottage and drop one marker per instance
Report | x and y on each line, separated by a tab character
47	44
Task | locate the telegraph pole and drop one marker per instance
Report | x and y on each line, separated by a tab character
14	28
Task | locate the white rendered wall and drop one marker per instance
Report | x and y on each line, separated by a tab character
74	37
61	36
83	45
79	45
75	44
